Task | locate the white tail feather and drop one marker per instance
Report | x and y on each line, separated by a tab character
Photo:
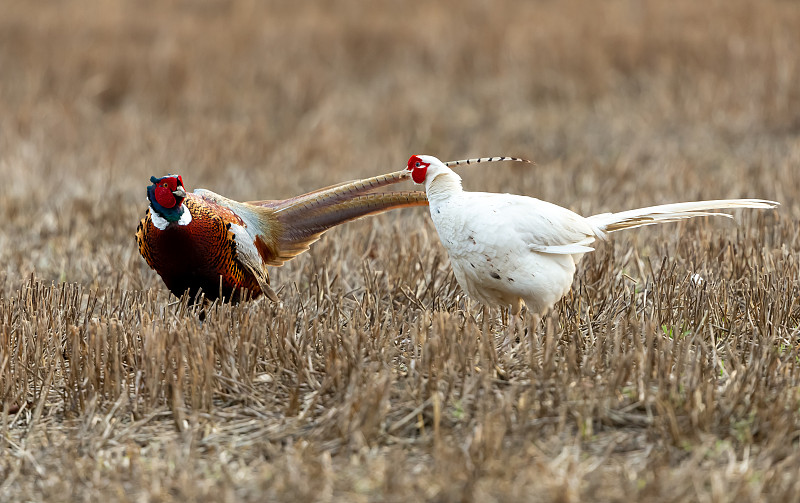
484	159
612	222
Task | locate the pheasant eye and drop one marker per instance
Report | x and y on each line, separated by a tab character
413	162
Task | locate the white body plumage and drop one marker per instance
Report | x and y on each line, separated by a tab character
508	249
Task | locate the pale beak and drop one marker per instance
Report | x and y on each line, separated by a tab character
179	192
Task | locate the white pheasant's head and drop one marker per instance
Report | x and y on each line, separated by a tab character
166	196
426	167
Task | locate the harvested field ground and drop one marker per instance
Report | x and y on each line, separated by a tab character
375	379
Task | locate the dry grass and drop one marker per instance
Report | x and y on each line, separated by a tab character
375	379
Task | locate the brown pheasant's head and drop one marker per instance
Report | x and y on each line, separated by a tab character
166	197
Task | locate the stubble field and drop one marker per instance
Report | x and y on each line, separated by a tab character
375	379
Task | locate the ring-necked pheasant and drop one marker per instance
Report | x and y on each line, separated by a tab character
510	250
204	241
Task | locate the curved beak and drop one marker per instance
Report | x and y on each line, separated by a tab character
179	192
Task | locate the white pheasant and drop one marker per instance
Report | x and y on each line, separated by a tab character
512	250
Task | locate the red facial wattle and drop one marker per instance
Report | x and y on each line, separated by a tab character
165	197
418	174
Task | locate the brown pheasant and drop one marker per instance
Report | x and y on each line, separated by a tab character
205	242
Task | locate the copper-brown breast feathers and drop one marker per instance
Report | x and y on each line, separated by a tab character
198	255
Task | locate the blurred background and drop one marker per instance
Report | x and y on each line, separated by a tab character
621	104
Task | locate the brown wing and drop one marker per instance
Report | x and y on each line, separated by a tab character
246	255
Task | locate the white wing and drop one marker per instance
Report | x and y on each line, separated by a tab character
541	226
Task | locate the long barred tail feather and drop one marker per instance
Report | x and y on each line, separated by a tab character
485	159
337	193
303	224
